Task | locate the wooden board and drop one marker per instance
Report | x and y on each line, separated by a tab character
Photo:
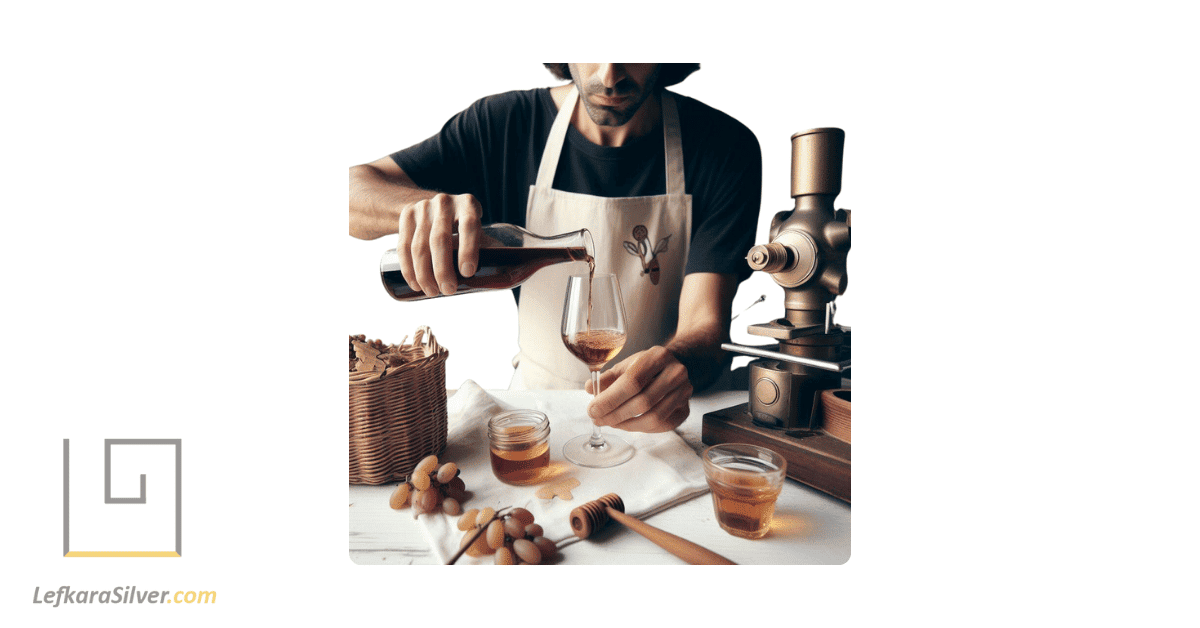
813	458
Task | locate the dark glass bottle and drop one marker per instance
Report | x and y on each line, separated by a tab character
508	256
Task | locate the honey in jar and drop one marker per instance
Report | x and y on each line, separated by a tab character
520	446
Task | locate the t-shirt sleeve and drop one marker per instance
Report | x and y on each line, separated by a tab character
730	197
452	160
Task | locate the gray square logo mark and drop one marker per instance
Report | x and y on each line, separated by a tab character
109	499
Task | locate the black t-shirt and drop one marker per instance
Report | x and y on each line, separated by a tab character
492	150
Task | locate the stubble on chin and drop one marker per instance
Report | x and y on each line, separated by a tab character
605	116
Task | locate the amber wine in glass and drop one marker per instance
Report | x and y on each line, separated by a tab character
593	330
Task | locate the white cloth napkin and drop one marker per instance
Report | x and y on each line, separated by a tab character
664	471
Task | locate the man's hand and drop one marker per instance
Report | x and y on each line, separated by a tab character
649	391
384	200
646	392
426	245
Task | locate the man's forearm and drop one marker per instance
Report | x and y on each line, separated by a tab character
702	354
376	199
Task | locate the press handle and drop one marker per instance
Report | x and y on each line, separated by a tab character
836	367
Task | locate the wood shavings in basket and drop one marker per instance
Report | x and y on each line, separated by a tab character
373	356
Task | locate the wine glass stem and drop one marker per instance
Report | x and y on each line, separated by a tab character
597	441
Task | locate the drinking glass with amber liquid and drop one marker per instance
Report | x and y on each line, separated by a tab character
593	330
745	481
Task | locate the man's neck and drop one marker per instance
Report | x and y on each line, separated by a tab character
642	122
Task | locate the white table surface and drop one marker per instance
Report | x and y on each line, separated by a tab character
809	527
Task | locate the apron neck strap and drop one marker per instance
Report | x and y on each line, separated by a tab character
554	144
672	145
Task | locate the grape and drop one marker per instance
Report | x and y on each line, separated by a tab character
420	481
513	528
495	534
485	515
447	472
531	530
527	551
418	503
427	499
427	464
522	515
456	489
467	521
451	506
480	547
545	546
400	496
504	556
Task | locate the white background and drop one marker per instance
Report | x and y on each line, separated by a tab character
176	265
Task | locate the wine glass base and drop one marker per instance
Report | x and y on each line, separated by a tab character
613	452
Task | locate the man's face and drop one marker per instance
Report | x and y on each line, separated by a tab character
613	92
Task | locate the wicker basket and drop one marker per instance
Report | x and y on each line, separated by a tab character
398	416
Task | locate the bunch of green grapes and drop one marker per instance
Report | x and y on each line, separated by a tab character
512	538
430	487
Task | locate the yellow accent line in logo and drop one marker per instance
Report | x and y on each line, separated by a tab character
122	554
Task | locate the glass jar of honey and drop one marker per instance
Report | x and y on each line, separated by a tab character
520	446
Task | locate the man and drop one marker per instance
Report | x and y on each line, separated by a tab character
668	187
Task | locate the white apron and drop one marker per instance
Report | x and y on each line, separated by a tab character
643	240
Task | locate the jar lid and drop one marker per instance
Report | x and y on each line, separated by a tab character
518	427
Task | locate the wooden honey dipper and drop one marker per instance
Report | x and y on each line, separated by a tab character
593	515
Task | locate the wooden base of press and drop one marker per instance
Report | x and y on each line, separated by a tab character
813	458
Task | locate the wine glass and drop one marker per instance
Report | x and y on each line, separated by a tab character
593	329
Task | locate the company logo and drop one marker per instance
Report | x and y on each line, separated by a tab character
148	525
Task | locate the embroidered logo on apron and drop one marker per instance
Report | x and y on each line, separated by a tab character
640	248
